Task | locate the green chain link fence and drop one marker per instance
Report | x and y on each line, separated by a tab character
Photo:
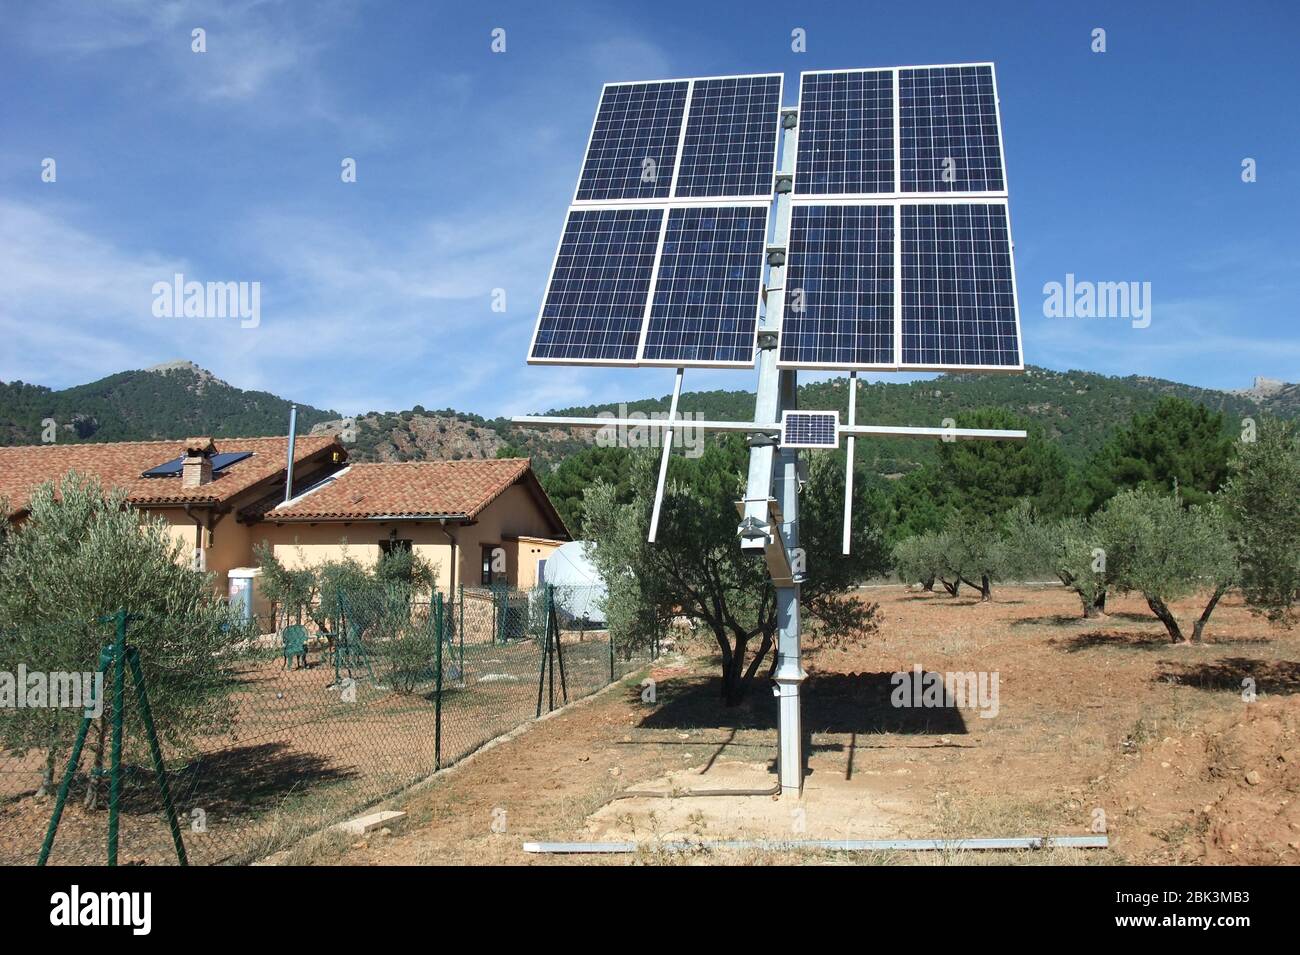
286	729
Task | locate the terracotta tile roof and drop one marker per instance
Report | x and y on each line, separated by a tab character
120	464
407	489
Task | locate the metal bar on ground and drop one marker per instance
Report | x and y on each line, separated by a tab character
831	845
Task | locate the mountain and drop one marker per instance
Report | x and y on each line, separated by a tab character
1077	409
174	400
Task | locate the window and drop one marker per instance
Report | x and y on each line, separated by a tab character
391	545
493	554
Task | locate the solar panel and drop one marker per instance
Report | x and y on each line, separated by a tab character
595	301
729	148
810	429
633	148
846	133
706	293
959	302
220	462
840	287
949	130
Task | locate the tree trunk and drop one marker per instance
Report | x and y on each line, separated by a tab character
733	677
928	584
986	588
1096	607
1198	628
1164	615
951	588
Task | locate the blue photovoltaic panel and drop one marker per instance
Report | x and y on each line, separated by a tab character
949	121
810	429
959	304
846	133
730	144
633	146
705	306
220	462
596	301
839	305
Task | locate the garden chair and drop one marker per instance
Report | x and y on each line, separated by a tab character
294	639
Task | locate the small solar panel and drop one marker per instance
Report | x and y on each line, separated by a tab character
949	135
959	303
731	135
707	291
846	133
220	462
810	429
595	302
633	148
839	305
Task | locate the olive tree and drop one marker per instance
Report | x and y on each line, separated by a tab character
1154	546
1262	501
1067	548
81	554
697	570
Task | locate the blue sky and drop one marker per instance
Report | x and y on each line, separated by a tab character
376	295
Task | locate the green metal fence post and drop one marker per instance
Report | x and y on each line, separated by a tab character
611	654
115	762
553	621
105	657
541	675
155	751
437	693
460	630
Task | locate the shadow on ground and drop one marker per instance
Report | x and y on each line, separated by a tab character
832	703
1269	676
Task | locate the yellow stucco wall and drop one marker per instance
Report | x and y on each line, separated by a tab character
512	522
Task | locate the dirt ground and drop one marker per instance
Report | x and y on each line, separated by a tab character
1098	723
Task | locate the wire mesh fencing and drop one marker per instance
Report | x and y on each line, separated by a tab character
258	737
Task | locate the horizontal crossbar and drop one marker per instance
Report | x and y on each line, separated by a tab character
763	427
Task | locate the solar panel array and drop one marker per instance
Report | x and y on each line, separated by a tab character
929	129
810	429
948	117
661	261
900	244
899	251
730	143
595	303
705	306
839	312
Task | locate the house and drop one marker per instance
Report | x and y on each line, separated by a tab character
475	521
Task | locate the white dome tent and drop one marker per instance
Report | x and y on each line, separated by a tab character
579	589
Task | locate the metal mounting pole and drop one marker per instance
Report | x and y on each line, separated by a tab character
848	468
776	390
663	460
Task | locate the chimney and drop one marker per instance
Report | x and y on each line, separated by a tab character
196	469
